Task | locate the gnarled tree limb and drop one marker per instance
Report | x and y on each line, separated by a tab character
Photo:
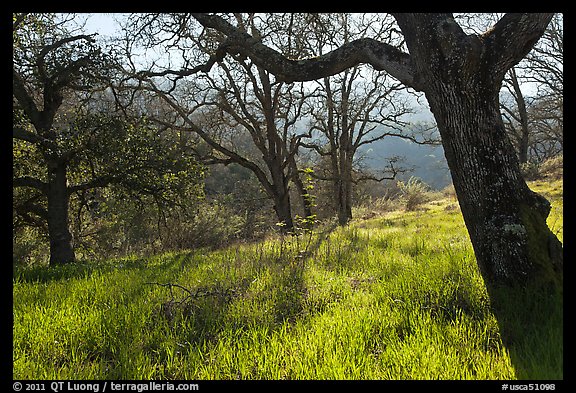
380	55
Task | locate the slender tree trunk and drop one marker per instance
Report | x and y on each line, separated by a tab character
280	193
523	139
283	210
302	192
344	180
523	145
337	182
349	185
301	188
61	250
343	193
341	200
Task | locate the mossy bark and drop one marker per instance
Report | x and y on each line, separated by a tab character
544	249
505	219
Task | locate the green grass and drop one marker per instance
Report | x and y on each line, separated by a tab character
393	297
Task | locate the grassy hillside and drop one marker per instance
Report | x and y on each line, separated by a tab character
397	296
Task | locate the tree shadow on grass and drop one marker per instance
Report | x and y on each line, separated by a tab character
531	327
192	315
291	289
205	311
46	274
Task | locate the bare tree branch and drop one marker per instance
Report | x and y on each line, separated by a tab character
380	55
27	181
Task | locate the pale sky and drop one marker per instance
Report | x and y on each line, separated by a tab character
104	24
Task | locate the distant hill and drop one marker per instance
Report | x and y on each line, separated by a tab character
427	162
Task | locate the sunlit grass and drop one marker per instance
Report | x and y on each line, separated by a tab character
394	297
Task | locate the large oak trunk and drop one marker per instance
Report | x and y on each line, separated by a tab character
461	76
519	258
506	221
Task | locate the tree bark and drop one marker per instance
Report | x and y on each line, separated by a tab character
283	210
506	221
61	249
303	193
343	186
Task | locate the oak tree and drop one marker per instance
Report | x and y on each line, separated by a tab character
461	76
240	110
48	63
69	139
352	109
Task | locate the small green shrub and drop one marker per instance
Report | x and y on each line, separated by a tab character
530	170
550	168
414	193
29	247
213	226
553	167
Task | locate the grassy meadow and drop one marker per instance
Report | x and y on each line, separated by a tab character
394	296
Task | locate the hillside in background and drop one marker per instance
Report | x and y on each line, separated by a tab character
426	161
